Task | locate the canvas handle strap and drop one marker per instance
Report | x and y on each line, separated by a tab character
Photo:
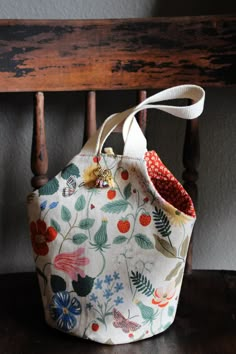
135	141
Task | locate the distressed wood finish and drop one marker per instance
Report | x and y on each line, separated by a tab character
39	156
65	55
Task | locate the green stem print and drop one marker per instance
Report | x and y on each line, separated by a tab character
127	269
87	213
68	232
104	263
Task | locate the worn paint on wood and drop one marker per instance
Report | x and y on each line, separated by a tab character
151	53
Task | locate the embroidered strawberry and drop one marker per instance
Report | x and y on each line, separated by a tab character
125	175
146	200
111	193
123	225
145	219
95	327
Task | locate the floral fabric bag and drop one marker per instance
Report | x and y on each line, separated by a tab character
110	233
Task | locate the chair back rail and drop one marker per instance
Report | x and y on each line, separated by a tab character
119	54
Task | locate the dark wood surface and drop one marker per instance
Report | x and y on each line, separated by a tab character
151	53
205	322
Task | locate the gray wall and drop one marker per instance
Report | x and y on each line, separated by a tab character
215	230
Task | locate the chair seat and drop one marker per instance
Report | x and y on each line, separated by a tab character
205	321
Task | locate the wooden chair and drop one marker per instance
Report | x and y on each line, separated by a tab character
139	54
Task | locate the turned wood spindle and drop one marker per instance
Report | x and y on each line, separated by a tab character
191	159
142	115
90	123
39	155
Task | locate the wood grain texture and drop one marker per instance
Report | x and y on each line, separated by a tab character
151	53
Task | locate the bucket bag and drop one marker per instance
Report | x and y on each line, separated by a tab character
110	233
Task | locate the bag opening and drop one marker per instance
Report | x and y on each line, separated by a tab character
167	185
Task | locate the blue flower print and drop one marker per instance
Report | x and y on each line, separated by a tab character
116	276
98	284
107	293
119	300
108	279
53	205
43	205
118	287
93	297
64	310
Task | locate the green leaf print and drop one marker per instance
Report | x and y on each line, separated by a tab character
57	283
174	271
127	191
79	238
184	247
115	207
142	284
65	213
49	188
83	286
119	239
143	241
70	170
179	278
161	222
165	248
55	225
86	224
171	311
80	203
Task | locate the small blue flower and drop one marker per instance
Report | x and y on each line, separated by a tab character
116	276
89	306
119	300
53	205
64	310
107	293
98	284
93	297
119	286
108	279
43	205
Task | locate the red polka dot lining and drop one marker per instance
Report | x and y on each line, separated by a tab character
167	185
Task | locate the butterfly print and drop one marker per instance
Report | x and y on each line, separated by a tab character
124	323
71	187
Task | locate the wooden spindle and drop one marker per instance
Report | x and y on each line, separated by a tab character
142	115
191	159
39	155
90	124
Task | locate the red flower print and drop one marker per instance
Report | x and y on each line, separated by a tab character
40	236
70	263
163	296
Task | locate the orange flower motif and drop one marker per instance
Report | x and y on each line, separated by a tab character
162	297
40	236
71	263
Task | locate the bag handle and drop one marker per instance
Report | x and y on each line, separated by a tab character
135	142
